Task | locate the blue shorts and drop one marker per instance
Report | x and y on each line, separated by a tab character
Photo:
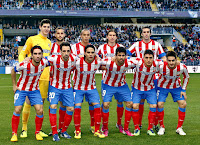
65	96
91	96
176	94
121	93
150	95
34	97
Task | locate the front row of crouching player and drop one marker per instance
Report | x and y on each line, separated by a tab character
113	83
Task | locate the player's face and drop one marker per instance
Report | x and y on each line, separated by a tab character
37	55
65	52
120	58
85	36
146	34
60	35
172	61
148	60
112	37
45	28
89	54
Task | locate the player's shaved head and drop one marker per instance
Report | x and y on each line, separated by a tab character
59	28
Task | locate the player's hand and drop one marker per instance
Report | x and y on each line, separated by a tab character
81	56
184	94
102	67
113	58
27	59
15	88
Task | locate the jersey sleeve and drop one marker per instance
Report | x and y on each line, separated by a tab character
99	51
73	49
51	59
161	51
20	67
185	78
26	49
131	50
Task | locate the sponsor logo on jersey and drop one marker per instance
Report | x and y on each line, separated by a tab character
35	74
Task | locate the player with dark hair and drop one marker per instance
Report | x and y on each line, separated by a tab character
143	85
27	85
138	49
84	85
170	82
41	40
60	89
108	50
55	50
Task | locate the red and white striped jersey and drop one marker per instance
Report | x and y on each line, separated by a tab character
106	50
143	78
115	74
61	71
78	49
170	78
84	75
30	74
55	49
139	47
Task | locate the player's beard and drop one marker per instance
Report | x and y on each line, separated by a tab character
58	40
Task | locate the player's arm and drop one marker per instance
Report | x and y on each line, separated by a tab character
131	50
185	82
161	53
26	49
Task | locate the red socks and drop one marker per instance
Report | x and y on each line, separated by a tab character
135	116
120	111
151	118
105	118
62	112
141	110
38	123
77	117
15	122
91	111
68	119
97	117
128	115
181	116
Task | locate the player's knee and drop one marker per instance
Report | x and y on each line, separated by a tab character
135	106
39	110
160	104
142	100
106	105
18	110
71	109
152	105
182	104
120	103
129	104
54	106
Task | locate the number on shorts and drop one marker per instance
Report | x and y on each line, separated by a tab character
16	97
157	93
103	93
51	95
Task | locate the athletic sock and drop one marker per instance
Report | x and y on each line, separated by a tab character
105	118
77	117
15	122
25	115
151	117
120	111
38	123
135	116
91	111
181	116
141	110
68	119
161	117
53	120
128	114
62	112
97	117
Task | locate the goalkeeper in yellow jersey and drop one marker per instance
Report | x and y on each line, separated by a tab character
39	40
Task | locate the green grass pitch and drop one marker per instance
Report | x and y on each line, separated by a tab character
191	125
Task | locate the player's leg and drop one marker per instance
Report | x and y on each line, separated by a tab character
136	98
181	110
141	111
78	95
107	94
152	100
68	100
19	99
54	95
94	99
36	101
156	127
91	111
62	112
25	117
124	95
120	112
163	93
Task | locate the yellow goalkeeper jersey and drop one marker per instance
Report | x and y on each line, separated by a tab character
41	41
